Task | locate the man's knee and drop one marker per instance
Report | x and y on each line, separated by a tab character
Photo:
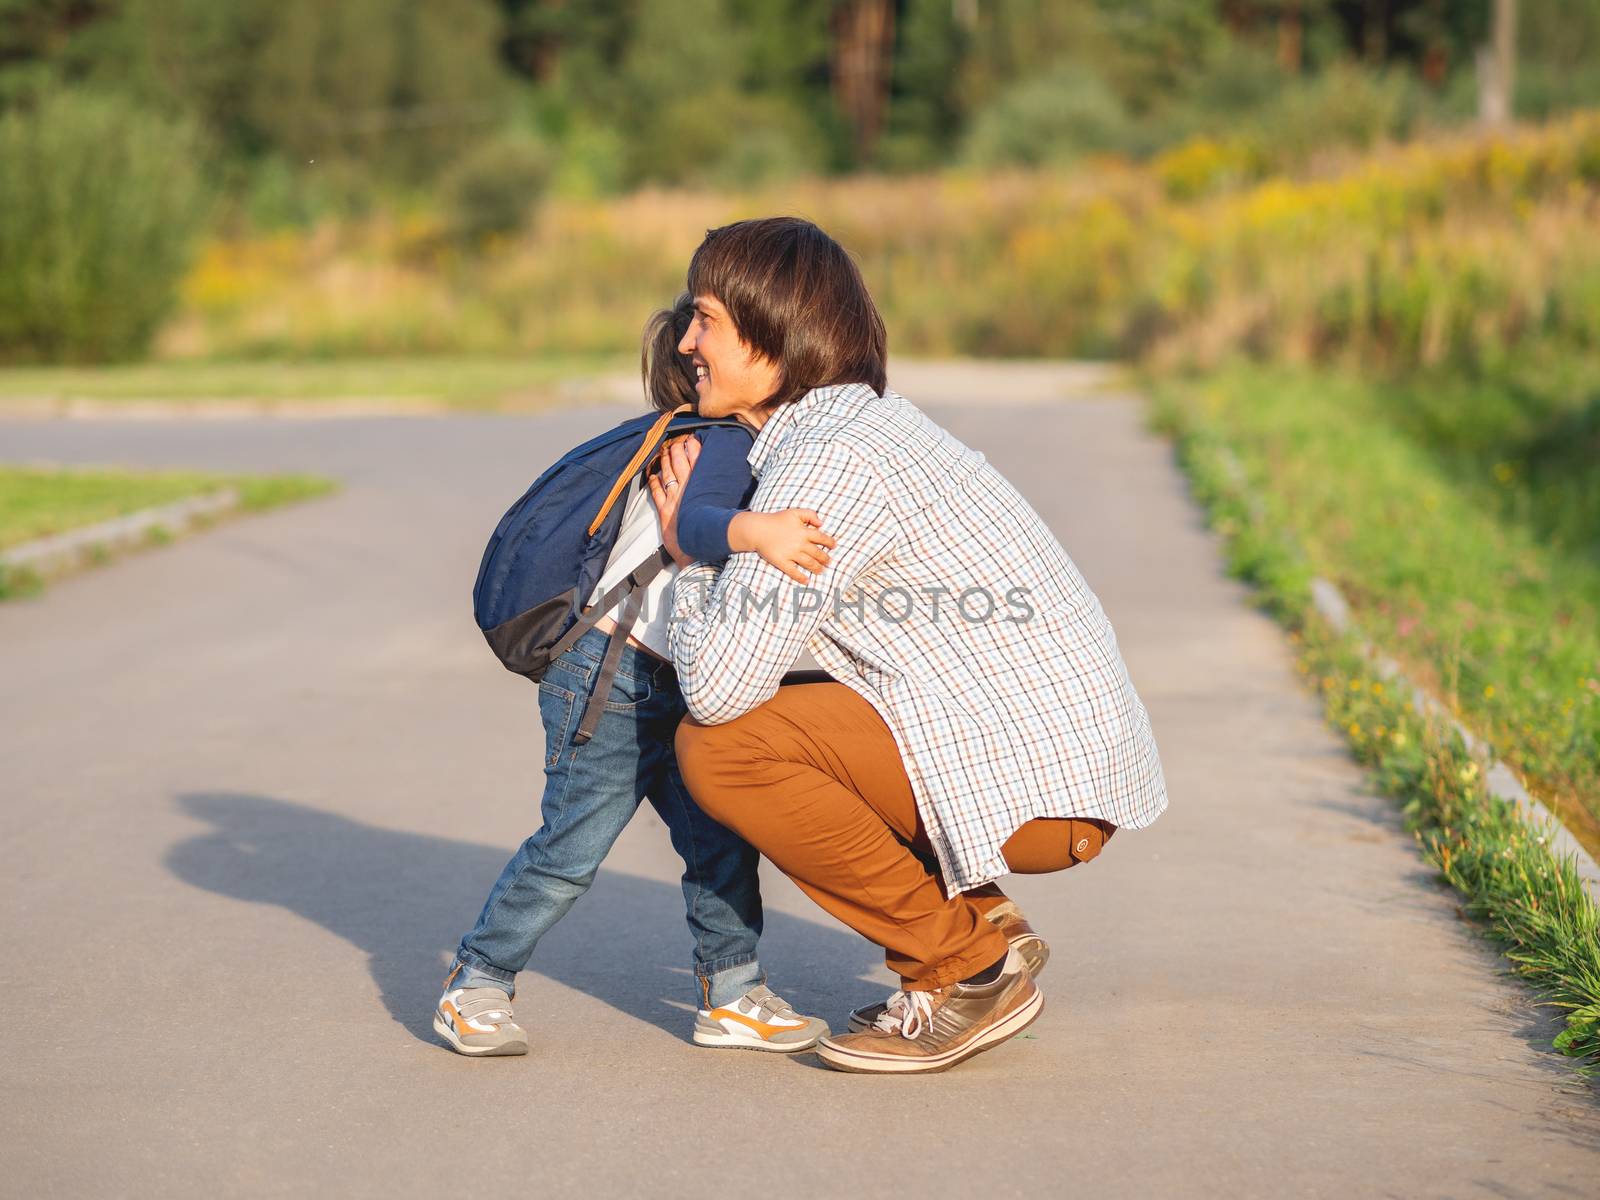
1047	844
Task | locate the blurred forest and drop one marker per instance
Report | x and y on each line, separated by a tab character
131	129
302	105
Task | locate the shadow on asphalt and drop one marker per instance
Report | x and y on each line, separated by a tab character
406	899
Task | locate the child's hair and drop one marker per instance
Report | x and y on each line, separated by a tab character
668	375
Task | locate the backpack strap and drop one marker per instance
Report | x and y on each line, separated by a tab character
634	580
595	706
632	586
651	440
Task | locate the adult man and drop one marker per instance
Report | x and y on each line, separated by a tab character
982	720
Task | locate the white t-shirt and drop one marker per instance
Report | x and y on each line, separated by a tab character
637	540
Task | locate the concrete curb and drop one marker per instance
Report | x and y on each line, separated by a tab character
1498	778
63	552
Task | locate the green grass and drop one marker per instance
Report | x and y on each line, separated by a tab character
1486	590
1331	488
1522	443
465	382
257	493
37	502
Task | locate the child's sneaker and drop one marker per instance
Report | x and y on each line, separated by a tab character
477	1021
758	1020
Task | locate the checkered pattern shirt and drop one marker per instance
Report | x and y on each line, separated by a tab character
949	606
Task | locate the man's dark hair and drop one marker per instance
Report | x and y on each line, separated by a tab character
797	299
668	375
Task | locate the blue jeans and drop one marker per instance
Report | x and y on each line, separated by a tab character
590	793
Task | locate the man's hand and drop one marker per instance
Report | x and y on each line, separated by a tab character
666	488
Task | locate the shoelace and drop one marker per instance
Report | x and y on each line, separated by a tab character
907	1014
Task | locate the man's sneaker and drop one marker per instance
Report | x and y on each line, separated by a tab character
923	1032
477	1021
758	1020
1035	952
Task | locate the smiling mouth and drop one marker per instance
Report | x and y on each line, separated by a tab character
701	374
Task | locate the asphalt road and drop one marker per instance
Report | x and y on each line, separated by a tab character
255	785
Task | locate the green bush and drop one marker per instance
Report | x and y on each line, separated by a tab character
593	161
1049	119
1236	79
1343	106
100	205
494	186
769	140
750	140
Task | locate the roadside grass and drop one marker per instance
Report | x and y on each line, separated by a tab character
258	493
37	502
1484	590
1328	490
1522	441
467	382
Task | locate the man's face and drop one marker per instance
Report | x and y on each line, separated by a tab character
730	378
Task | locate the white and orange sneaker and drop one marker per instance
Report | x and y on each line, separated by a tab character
758	1020
476	1021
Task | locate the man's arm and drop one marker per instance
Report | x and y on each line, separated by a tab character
736	630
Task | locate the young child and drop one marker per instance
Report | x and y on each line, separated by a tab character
592	789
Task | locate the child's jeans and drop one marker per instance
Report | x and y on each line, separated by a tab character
590	794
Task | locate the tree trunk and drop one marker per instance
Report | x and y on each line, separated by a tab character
1375	32
1436	55
863	45
1497	63
1291	36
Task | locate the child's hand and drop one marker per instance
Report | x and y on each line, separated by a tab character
791	540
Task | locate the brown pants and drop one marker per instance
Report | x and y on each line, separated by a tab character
813	779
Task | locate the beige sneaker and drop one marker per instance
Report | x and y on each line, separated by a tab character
477	1022
924	1032
1035	952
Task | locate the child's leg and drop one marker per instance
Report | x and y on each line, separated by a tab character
722	896
721	889
591	792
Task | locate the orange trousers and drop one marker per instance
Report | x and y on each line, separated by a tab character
813	779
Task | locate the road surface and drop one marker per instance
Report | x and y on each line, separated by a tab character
256	784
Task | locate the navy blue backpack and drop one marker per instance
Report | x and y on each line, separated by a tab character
550	549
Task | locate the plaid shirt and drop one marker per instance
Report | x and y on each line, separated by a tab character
949	606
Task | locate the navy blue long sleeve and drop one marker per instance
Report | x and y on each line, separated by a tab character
719	486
